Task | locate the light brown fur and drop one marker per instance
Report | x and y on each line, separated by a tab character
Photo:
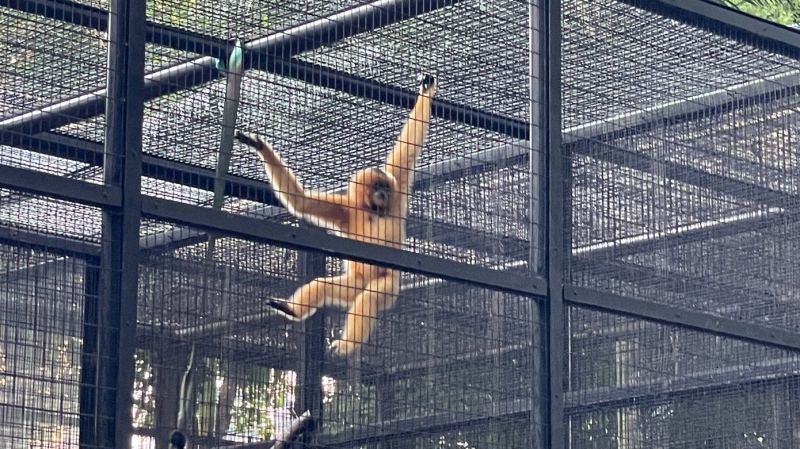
365	289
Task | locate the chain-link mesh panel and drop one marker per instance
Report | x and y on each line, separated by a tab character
634	384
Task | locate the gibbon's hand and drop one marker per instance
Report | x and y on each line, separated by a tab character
427	84
253	142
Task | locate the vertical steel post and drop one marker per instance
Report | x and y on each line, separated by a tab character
312	352
88	388
119	272
547	222
558	220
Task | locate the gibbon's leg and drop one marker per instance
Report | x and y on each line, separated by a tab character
403	157
308	298
380	294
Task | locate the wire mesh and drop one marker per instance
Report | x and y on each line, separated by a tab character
689	198
634	384
46	60
683	190
46	216
41	314
446	352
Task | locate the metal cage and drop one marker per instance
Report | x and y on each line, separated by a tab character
601	238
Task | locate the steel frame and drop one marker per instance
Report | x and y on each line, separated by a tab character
111	292
558	174
121	194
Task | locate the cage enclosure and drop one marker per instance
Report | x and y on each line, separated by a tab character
599	248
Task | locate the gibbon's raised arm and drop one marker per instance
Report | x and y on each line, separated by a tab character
403	157
321	208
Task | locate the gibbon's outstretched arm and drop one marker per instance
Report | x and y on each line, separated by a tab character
321	208
403	157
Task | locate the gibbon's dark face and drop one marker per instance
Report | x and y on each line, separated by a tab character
380	197
374	190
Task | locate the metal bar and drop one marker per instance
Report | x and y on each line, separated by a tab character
53	244
64	11
677	316
40	183
85	106
120	252
722	100
683	173
361	87
316	239
97	19
285	43
87	394
558	172
336	27
367	434
311	355
89	152
702	384
682	235
713	17
538	259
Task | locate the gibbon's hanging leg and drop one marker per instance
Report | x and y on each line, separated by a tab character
336	290
374	209
379	295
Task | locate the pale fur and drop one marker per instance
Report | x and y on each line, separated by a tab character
363	288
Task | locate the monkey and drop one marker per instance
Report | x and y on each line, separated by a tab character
374	208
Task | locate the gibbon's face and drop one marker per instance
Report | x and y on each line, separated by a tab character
375	190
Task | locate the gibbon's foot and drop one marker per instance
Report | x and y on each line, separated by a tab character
342	348
426	82
283	309
252	142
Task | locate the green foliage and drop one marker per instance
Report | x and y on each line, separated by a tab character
785	12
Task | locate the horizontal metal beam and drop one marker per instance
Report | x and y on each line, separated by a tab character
54	186
682	235
682	317
317	240
53	244
719	19
89	152
85	106
770	88
361	87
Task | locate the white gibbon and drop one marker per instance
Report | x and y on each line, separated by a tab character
373	209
